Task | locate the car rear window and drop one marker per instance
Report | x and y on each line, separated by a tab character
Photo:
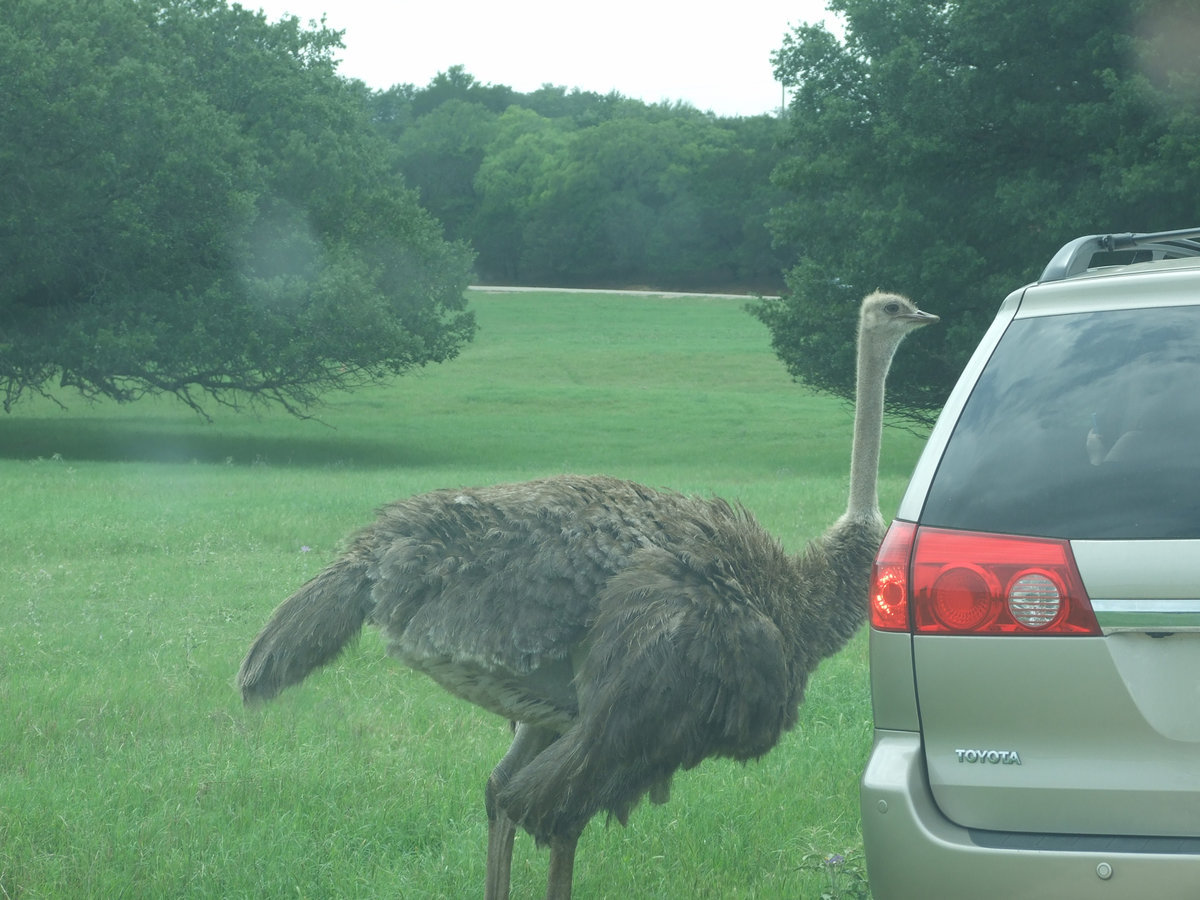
1083	426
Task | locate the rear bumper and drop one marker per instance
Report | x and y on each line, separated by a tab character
914	852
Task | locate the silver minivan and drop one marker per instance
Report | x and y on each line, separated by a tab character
1035	607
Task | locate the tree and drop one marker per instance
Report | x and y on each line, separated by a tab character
658	196
509	186
391	110
192	202
439	155
582	108
946	148
456	83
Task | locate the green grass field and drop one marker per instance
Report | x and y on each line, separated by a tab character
142	548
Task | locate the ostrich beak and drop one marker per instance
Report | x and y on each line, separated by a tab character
920	317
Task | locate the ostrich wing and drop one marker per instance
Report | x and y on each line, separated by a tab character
490	591
503	577
683	665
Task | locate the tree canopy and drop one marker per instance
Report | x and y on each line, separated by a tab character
572	188
947	148
193	202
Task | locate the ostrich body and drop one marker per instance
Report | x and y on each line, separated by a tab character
626	632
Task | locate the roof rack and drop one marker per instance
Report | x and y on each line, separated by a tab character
1076	256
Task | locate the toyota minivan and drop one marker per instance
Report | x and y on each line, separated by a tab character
1035	606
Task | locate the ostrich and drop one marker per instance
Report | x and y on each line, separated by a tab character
626	632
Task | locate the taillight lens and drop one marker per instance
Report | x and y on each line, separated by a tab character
889	578
936	581
971	583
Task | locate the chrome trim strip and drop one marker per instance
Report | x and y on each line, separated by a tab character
1147	615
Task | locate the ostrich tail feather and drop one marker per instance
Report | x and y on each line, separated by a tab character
308	630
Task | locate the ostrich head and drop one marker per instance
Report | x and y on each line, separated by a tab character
884	321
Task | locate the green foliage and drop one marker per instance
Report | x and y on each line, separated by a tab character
947	149
457	84
559	188
192	202
666	199
130	768
440	152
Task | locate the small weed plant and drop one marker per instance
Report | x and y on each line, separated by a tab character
844	875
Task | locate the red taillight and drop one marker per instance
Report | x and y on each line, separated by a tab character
971	583
889	578
935	581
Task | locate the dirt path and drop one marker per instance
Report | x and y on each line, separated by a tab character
498	289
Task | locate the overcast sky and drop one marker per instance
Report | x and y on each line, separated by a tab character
715	56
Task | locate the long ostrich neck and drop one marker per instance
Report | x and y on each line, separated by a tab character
836	576
873	364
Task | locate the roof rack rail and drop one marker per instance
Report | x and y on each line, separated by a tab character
1076	256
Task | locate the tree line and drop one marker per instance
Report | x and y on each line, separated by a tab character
574	188
193	201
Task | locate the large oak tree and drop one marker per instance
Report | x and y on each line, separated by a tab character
947	148
193	202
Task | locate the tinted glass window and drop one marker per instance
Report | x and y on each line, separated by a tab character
1081	426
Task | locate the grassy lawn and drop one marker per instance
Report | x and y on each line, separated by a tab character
141	548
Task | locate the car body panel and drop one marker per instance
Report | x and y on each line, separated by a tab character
1089	758
1141	286
1125	599
915	853
893	691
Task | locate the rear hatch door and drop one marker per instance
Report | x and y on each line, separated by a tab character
1083	427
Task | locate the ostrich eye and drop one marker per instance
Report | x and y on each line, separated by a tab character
892	308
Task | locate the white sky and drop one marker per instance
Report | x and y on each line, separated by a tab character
715	56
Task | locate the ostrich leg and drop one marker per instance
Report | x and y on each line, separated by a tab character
562	867
528	743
